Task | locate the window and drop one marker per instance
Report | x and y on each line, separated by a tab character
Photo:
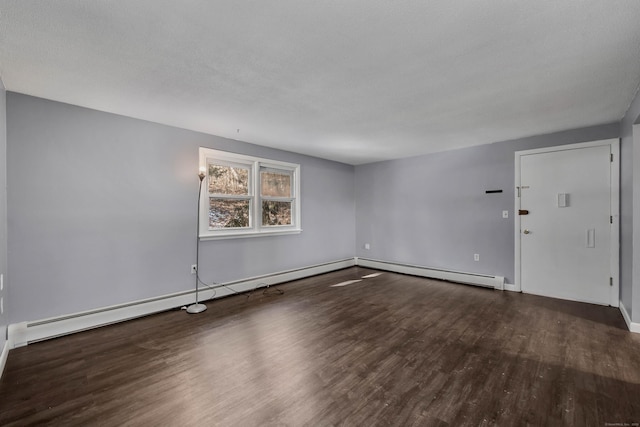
246	196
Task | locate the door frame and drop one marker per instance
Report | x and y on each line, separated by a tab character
614	144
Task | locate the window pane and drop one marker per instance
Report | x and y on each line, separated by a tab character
228	180
275	184
224	213
276	213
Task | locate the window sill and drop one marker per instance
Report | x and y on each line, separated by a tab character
246	234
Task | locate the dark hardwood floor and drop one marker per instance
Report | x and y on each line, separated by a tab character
392	350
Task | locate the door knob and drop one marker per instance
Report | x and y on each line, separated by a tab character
526	232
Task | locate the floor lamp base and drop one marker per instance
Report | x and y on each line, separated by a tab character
196	308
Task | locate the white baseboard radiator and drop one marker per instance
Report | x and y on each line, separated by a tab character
21	334
494	282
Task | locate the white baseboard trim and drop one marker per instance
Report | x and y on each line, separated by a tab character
21	334
495	282
511	287
3	356
633	326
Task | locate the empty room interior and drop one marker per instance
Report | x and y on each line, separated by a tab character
320	213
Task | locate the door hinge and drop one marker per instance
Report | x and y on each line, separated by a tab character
518	191
611	157
610	281
611	219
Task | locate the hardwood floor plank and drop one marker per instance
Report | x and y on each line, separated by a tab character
390	350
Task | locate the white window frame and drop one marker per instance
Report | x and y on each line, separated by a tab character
254	164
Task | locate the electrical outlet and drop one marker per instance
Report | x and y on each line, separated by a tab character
476	257
194	269
367	246
505	214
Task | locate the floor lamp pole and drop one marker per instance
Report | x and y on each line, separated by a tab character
197	307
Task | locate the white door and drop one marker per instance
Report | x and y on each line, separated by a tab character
565	226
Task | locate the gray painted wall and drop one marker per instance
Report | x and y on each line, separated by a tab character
102	210
106	213
626	218
4	318
630	210
432	210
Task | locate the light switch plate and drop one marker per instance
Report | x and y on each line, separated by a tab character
563	200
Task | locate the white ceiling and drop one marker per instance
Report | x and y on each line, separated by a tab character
350	80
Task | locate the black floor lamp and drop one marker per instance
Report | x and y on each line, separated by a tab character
197	307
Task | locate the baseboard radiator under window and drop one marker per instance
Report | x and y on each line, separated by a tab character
21	334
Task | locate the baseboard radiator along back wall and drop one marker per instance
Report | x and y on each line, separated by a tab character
494	282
